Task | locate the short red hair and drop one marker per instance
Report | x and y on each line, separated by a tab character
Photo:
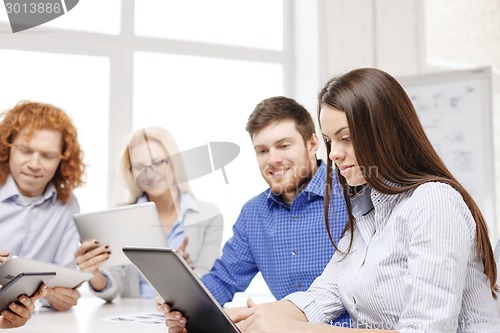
34	116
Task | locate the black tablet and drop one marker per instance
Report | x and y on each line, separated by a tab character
181	288
22	284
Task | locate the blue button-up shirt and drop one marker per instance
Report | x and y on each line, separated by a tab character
289	245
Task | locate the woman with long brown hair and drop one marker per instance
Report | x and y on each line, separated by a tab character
415	255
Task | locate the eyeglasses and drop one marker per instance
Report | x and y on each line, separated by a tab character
27	152
156	166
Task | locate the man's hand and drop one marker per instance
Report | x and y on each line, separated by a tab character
61	299
19	314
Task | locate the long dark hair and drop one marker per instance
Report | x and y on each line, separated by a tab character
388	137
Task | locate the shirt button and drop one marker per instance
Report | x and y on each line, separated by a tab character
294	217
354	308
299	285
294	253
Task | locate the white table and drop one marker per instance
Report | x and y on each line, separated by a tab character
86	317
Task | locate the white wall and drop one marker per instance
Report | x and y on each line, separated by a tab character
411	37
386	34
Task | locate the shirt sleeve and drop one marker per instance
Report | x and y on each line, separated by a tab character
116	279
236	268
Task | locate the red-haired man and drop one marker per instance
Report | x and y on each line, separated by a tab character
40	165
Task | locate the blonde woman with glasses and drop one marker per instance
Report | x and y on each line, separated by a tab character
192	226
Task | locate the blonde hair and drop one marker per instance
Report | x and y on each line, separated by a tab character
163	137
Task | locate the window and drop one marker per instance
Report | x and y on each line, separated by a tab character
256	23
201	100
82	91
188	66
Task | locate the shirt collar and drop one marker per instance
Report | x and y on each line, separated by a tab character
187	203
9	191
315	187
381	198
365	200
361	202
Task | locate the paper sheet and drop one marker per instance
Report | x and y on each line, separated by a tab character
143	318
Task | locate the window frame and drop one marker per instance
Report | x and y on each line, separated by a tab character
120	50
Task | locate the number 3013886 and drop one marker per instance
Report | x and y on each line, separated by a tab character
33	8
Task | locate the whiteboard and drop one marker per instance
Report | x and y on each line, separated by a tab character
455	110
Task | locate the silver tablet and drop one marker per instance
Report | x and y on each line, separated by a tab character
132	225
181	288
65	276
22	284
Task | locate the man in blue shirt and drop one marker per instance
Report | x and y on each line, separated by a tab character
281	232
40	165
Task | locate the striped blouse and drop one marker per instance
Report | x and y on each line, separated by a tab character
413	267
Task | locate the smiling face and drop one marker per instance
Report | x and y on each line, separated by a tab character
285	161
336	131
34	162
151	169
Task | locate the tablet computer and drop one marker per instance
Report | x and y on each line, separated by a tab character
22	284
65	276
132	225
181	288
